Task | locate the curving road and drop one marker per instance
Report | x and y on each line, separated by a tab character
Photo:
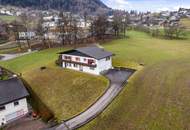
117	77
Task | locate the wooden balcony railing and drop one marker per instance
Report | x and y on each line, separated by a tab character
79	63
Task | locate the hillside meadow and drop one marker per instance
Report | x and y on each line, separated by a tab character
156	97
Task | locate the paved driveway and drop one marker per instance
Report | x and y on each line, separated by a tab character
26	123
118	78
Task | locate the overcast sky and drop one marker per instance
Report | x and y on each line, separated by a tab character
147	5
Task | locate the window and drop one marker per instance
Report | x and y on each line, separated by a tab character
108	58
2	108
16	103
90	62
67	57
84	59
77	59
92	68
75	65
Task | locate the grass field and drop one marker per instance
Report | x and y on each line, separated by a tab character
186	22
65	93
8	19
141	48
157	97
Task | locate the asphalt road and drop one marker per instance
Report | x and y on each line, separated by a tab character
117	77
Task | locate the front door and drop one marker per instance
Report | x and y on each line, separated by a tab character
81	68
65	65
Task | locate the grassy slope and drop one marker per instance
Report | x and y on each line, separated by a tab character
64	92
157	97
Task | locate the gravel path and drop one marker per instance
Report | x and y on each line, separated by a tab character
5	57
117	77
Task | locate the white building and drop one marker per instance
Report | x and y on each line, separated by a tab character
92	60
13	103
27	35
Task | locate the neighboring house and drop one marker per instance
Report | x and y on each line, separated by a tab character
13	103
92	60
27	35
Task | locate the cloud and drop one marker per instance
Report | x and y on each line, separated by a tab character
147	5
118	4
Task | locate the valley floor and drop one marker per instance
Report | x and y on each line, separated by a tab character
157	97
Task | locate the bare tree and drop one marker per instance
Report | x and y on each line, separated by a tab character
15	28
99	26
120	22
75	30
173	30
179	31
25	22
40	30
126	22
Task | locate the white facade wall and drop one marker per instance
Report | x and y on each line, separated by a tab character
101	65
104	64
12	111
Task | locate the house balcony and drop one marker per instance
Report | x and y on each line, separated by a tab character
79	63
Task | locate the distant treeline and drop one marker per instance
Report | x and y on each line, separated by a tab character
168	31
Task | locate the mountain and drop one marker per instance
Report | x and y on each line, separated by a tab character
75	6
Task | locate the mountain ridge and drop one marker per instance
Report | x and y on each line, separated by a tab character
74	6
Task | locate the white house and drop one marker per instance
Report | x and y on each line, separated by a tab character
92	60
27	35
13	103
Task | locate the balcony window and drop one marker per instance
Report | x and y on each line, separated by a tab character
91	62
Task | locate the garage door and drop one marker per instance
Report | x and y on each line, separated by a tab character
14	115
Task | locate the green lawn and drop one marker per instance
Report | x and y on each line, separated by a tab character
32	61
141	48
8	19
157	97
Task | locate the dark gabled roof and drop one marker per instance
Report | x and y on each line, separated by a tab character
75	53
94	52
12	90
